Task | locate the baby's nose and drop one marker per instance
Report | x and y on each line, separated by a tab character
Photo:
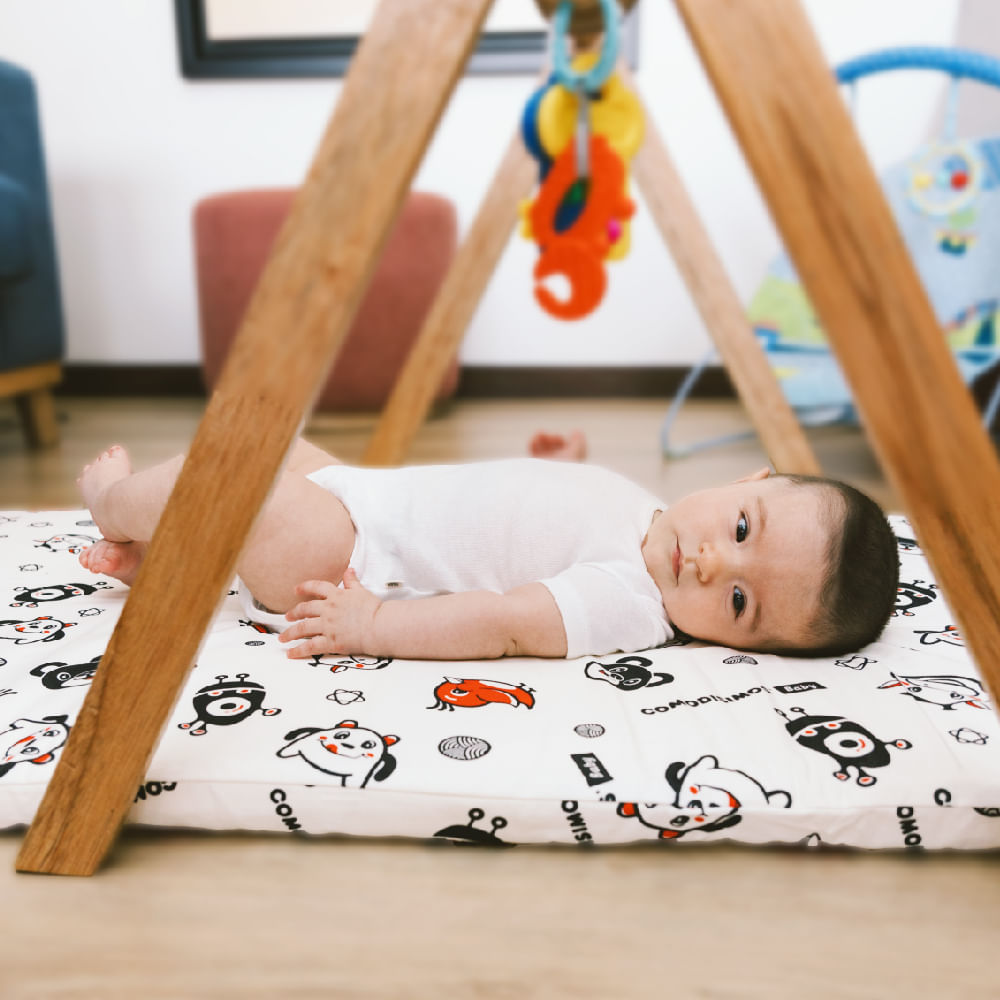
708	562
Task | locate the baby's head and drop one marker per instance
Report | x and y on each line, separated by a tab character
786	564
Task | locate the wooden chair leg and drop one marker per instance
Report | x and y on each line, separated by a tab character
456	302
38	417
400	79
773	81
720	307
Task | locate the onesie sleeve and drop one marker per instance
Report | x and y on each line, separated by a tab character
607	608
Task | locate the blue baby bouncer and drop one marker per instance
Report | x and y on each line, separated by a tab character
946	201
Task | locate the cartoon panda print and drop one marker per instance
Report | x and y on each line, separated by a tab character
32	741
950	635
41	629
339	663
707	798
846	742
347	751
947	690
73	544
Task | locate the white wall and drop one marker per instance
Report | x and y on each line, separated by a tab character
131	146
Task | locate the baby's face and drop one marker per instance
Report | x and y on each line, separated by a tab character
742	565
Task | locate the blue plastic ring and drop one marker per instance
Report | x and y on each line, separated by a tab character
597	74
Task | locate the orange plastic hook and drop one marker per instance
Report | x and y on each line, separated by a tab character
578	251
585	273
606	198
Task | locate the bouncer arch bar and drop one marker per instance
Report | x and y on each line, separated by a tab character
961	63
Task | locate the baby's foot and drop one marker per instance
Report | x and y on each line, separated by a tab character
120	560
107	469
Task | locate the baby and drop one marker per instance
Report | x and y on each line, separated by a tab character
531	557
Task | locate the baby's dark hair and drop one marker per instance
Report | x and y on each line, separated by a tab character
858	591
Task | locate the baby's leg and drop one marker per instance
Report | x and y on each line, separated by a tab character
303	532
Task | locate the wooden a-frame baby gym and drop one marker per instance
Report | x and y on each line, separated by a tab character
783	105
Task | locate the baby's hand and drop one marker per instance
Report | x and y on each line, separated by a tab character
333	620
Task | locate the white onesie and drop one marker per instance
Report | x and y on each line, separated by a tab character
578	529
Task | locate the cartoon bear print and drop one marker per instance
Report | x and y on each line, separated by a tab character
41	629
947	690
57	676
31	741
846	742
709	796
347	751
474	692
226	703
73	544
31	597
627	673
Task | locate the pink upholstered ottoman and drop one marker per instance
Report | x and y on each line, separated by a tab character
233	234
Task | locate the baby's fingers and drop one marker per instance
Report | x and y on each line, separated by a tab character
307	609
305	629
316	589
317	645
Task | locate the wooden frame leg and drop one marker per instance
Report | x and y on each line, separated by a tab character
399	82
31	388
772	79
38	416
720	307
456	302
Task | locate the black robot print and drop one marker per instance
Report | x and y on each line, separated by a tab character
226	703
913	595
31	597
848	743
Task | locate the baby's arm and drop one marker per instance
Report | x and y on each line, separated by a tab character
478	624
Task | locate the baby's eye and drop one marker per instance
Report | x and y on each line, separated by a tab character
742	528
739	601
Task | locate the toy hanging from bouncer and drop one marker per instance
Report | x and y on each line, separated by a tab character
583	126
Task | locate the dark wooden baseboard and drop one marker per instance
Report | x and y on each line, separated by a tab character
476	382
131	380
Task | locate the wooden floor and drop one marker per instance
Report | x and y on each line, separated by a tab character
188	916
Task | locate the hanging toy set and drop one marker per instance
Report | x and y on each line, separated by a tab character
583	126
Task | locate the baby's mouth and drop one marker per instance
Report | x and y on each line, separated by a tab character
678	558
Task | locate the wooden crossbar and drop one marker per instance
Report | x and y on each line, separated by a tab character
399	82
773	82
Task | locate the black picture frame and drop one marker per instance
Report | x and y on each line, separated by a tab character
201	58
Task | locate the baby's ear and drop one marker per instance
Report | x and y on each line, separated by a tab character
755	476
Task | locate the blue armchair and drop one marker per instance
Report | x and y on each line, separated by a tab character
31	323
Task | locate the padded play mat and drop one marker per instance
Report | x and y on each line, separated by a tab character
896	746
